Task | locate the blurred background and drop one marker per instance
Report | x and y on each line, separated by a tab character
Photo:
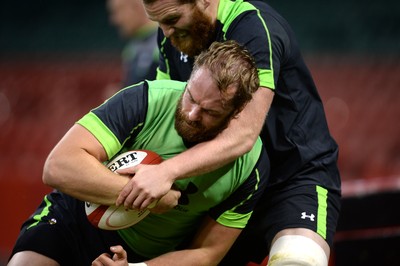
58	59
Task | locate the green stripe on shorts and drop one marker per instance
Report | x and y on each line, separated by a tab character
322	211
44	212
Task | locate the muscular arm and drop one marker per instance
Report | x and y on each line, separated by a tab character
74	167
151	182
210	245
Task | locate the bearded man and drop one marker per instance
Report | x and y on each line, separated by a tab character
212	208
296	219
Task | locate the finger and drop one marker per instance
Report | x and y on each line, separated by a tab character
119	253
143	201
137	203
126	190
103	259
128	195
126	171
129	201
96	263
124	194
148	203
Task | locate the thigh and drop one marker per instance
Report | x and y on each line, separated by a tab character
31	258
59	230
283	207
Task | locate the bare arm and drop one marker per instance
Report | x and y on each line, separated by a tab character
209	246
74	167
151	182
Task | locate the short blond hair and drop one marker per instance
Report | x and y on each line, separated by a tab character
230	64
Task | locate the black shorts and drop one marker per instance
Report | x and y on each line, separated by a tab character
60	230
281	207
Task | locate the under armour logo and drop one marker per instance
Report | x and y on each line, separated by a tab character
184	57
190	189
304	216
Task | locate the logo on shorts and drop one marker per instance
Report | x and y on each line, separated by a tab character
304	216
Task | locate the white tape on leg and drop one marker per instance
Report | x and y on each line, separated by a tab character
296	250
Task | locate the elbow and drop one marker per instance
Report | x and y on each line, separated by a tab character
50	173
246	145
241	145
248	141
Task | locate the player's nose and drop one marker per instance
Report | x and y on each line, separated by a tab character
195	113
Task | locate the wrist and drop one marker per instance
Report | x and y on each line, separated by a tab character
170	170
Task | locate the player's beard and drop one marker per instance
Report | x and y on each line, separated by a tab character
193	131
200	36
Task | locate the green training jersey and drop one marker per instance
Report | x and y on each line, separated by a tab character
142	117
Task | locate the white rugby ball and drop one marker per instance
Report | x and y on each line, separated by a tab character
113	217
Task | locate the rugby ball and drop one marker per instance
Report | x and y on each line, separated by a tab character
113	217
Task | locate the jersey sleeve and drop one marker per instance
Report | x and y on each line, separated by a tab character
264	41
257	41
119	119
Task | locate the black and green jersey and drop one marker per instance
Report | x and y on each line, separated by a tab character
296	133
142	117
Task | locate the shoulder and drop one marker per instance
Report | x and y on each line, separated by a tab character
236	18
164	94
255	15
161	87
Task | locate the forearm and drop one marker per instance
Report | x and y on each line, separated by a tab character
192	257
203	158
230	144
210	244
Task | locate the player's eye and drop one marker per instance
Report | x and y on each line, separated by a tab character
212	113
171	21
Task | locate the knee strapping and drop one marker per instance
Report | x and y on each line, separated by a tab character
296	250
